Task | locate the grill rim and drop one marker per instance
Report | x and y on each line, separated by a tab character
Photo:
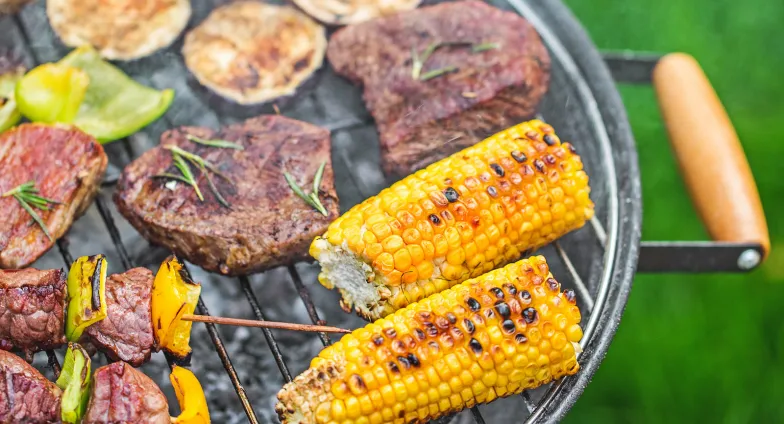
559	19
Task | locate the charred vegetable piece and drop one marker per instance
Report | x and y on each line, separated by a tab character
10	74
174	294
51	93
347	12
74	380
86	295
494	336
190	396
465	215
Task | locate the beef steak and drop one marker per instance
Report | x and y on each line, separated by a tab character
420	122
266	225
121	394
32	305
26	396
126	333
65	164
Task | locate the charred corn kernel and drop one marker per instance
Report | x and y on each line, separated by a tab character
507	194
479	340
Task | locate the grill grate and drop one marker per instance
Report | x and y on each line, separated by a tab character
349	122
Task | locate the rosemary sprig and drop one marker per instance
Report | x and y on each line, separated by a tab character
418	60
311	199
437	72
197	160
180	163
181	158
224	144
476	48
27	196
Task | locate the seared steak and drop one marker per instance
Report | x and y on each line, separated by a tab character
422	121
66	165
126	333
266	225
26	396
31	309
121	394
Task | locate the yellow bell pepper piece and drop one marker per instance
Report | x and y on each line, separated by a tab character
51	92
174	294
86	295
190	396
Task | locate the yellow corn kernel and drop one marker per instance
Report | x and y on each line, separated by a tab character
387	369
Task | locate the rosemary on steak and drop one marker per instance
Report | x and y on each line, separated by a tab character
311	199
418	60
27	196
181	159
214	142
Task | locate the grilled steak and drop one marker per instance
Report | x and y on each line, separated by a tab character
266	225
422	121
121	394
66	165
26	396
31	309
126	333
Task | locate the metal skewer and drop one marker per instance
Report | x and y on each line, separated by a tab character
264	324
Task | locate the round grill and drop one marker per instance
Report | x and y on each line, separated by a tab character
241	381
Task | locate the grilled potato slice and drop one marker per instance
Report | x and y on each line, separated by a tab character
251	52
119	29
347	12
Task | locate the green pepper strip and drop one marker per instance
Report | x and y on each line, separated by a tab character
91	93
75	382
115	106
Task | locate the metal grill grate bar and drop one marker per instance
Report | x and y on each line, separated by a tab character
273	344
578	282
304	294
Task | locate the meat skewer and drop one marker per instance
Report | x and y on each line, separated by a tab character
43	309
114	393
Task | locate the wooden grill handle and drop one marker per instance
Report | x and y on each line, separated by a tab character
709	153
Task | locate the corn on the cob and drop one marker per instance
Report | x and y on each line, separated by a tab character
472	212
493	336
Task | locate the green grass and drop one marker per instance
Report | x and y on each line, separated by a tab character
707	348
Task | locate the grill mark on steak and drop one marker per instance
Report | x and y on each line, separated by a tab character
32	305
66	165
121	394
267	224
126	333
420	122
26	396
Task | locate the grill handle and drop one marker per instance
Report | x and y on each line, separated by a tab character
709	153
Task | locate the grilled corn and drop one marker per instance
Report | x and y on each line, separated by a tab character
493	336
465	215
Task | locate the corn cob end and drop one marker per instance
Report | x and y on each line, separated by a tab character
343	270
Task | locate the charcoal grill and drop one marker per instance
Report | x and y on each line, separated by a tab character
598	261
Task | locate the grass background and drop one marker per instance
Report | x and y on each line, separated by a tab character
698	348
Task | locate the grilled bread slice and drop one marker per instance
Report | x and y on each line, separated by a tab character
251	53
119	29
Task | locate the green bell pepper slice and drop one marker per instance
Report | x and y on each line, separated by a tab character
74	381
9	115
113	106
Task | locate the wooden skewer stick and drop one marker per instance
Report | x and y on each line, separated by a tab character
263	324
